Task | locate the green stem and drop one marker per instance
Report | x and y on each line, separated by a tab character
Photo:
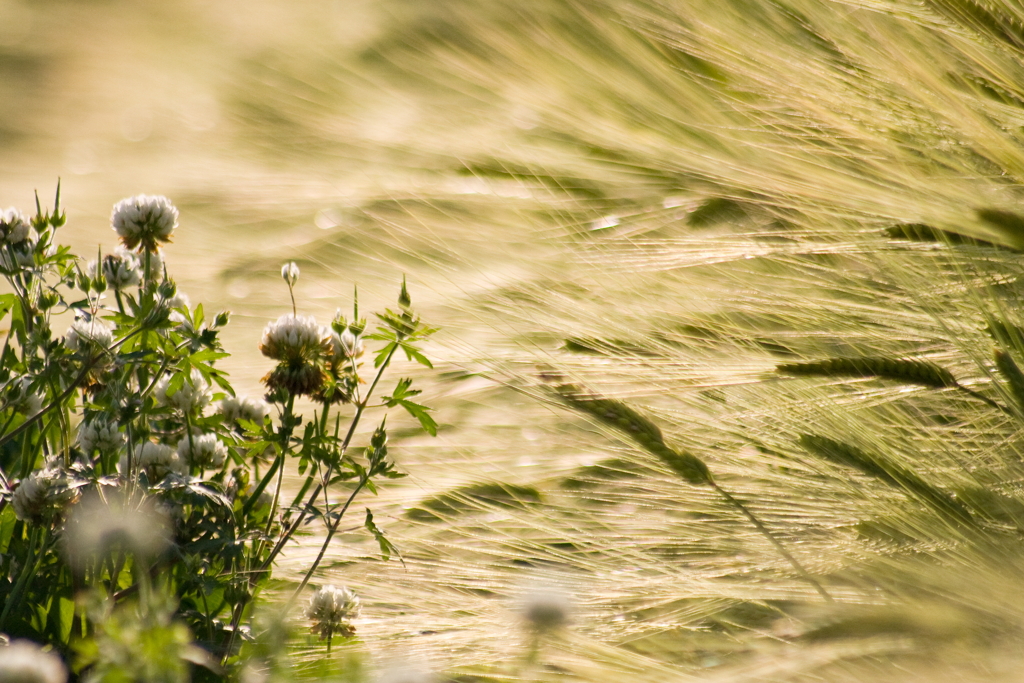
27	570
774	541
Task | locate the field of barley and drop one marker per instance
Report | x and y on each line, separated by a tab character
783	234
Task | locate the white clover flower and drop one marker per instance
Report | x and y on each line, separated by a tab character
194	396
290	273
294	337
22	398
95	526
25	662
332	609
99	435
243	408
144	221
120	269
157	460
84	333
205	451
22	257
42	496
14	227
545	609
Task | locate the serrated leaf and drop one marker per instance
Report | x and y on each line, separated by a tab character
386	546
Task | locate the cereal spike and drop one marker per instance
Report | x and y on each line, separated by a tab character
884	470
898	369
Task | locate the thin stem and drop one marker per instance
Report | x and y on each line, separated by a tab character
27	570
774	541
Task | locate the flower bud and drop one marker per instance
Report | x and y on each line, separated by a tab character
290	273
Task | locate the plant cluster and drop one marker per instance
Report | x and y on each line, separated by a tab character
141	499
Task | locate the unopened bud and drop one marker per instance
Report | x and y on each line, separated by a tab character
222	319
404	300
290	273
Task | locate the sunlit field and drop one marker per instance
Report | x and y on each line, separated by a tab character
728	297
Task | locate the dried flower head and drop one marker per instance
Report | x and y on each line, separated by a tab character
332	609
243	408
191	395
23	661
96	526
144	221
15	228
345	346
290	273
301	346
99	435
42	496
92	334
15	257
204	451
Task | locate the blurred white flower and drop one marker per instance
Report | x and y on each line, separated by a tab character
42	496
96	526
98	434
84	333
293	338
243	408
332	609
188	397
545	609
205	451
25	662
143	221
290	273
14	226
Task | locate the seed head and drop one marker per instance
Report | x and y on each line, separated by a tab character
144	221
120	269
295	337
157	459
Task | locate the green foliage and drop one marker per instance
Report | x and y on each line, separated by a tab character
138	527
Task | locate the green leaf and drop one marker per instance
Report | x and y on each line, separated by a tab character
382	354
386	546
412	353
7	521
7	302
207	355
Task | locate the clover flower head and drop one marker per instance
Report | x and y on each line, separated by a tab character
17	256
205	451
120	269
42	496
95	526
92	333
15	228
295	337
290	273
545	609
243	408
157	460
144	221
332	609
99	435
22	397
194	395
23	661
